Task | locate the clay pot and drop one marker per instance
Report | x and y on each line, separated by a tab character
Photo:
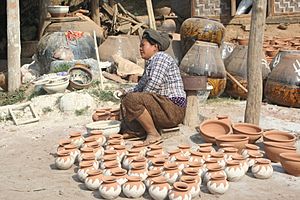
87	141
64	160
213	170
110	189
238	141
210	163
76	139
171	172
202	145
234	170
180	191
273	149
97	149
218	184
220	157
225	118
101	116
279	136
134	187
224	145
290	163
93	180
159	189
197	166
182	161
120	175
252	131
249	148
242	161
84	168
121	151
262	169
206	151
139	160
85	151
115	137
173	153
253	156
127	160
111	166
194	185
74	152
99	137
152	174
62	143
191	172
185	149
196	157
138	169
229	152
157	164
210	129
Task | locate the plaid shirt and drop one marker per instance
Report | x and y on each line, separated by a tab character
162	76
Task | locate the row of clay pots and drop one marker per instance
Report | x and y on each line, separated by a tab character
106	114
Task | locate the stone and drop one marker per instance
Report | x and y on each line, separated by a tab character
76	101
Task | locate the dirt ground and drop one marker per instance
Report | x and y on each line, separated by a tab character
27	163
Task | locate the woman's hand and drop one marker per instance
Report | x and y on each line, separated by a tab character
118	94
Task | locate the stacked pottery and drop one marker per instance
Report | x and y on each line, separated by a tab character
108	160
139	160
220	157
110	188
213	170
234	170
152	174
110	167
246	129
229	152
85	151
91	158
159	189
140	147
193	184
98	136
138	169
94	179
206	152
173	154
185	149
189	171
262	169
121	151
120	175
62	143
97	149
182	161
76	139
84	168
127	160
196	157
157	164
74	152
64	160
134	187
171	172
253	156
199	167
88	141
238	141
180	191
218	184
242	161
249	148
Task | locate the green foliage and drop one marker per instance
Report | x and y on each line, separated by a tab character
103	95
82	111
62	68
7	98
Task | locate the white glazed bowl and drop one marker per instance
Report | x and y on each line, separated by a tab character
108	127
56	86
58	11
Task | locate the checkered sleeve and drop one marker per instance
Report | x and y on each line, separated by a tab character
140	86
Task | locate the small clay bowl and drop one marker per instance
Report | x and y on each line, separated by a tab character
209	129
238	141
290	163
273	149
251	130
279	136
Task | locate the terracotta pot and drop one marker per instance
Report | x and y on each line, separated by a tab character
206	151
93	180
290	163
194	185
76	139
84	168
62	143
139	160
219	156
185	149
210	129
273	149
127	160
213	170
157	164
138	169
191	172
152	174
242	161
234	170
279	136
229	152
262	169
182	161
111	166
249	148
120	175
64	160
196	157
202	145
121	151
252	131
225	118
85	151
159	189
238	141
171	172
74	152
88	140
253	156
110	189
173	153
180	191
98	135
218	184
198	166
134	187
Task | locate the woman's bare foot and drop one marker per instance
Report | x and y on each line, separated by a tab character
152	138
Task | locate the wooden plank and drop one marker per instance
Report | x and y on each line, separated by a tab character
151	14
271	8
108	9
95	15
233	7
254	71
191	114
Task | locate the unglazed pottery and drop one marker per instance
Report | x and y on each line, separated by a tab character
192	173
196	156
127	159
138	169
173	154
182	161
84	168
213	170
62	143
238	141
99	137
87	141
262	169
157	164
110	188
159	189
229	152
120	175
76	139
279	136
249	148
273	149
180	191
219	156
243	161
110	166
253	156
171	172
139	160
74	152
134	187
234	170
91	158
218	184
210	129
194	185
252	131
93	180
121	151
152	174
290	163
97	149
184	148
85	151
198	166
64	160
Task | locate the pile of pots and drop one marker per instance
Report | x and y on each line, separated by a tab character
106	114
279	146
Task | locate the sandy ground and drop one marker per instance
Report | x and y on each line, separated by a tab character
27	163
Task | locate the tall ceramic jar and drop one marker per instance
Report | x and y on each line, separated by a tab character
76	139
159	189
180	191
283	84
218	184
204	59
110	188
93	180
262	169
134	187
234	170
64	160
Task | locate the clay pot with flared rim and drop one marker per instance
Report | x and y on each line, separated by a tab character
84	151
94	179
234	170
92	158
194	185
99	137
184	148
206	151
152	174
198	166
120	175
62	143
242	161
84	168
157	164
196	157
279	136
229	152
139	160
151	155
64	160
249	148
290	163
159	189
87	141
213	170
210	129
138	169
110	166
193	173
110	188
273	149
210	162
173	153
98	150
220	158
182	161
116	136
171	172
134	187
251	130
106	160
73	151
253	156
76	139
180	191
218	184
121	151
238	141
127	160
262	169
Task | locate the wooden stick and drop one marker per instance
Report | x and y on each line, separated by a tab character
151	14
98	60
131	20
236	82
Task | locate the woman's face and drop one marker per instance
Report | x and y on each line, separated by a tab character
147	50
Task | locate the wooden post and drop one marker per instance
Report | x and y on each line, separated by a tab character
43	6
95	11
13	45
254	72
150	14
191	115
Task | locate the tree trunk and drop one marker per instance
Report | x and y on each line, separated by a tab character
191	118
95	11
254	72
13	45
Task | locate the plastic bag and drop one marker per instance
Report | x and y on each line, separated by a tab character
244	6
